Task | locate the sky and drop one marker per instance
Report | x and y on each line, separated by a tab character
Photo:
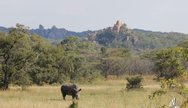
81	15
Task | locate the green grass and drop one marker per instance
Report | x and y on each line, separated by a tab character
105	94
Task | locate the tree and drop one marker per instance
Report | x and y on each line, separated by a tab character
70	43
79	61
168	63
16	57
113	61
170	71
46	68
70	66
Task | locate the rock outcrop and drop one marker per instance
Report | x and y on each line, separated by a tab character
117	26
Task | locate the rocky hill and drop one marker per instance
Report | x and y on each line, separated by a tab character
57	33
53	32
3	29
120	35
115	36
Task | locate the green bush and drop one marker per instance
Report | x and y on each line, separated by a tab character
134	82
74	105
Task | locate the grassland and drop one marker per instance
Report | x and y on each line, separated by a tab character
104	94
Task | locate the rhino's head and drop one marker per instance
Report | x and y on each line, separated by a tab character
77	93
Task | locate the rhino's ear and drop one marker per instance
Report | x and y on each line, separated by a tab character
79	90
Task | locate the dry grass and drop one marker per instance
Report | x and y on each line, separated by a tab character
105	94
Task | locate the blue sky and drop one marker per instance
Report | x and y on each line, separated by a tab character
80	15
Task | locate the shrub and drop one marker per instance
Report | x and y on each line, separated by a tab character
74	105
134	82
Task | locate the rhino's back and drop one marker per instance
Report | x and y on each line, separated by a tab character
67	89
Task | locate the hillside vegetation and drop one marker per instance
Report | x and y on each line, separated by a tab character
117	36
120	36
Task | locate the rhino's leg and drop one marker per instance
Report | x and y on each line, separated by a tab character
73	97
64	95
